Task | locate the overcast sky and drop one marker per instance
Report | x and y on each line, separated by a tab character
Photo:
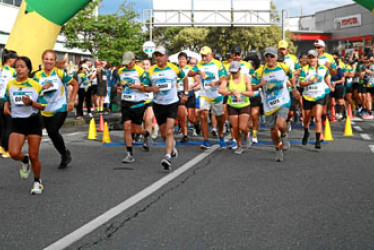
293	6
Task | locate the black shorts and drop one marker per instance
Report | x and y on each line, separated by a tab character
191	101
163	112
28	126
361	89
255	101
238	111
130	112
102	90
370	90
225	98
348	90
338	92
308	105
300	89
93	89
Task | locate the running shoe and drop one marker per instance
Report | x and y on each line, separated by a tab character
339	116
37	188
285	142
318	144
147	142
278	155
367	116
6	155
206	144
222	142
65	159
184	139
305	138
166	164
233	145
174	154
239	150
247	142
89	115
214	132
289	126
128	159
254	140
24	171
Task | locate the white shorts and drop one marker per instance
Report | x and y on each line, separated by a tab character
217	108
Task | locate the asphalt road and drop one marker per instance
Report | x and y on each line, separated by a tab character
312	200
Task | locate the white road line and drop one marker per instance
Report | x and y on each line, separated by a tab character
113	212
352	122
371	148
358	128
366	137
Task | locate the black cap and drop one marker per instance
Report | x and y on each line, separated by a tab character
182	54
236	49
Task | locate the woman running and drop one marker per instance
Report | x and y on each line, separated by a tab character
314	79
23	100
54	83
7	73
238	89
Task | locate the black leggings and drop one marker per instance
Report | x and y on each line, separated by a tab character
83	94
53	125
5	127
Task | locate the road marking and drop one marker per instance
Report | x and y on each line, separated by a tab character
352	122
371	148
358	128
113	212
366	137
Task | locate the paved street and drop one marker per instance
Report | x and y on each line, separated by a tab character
312	200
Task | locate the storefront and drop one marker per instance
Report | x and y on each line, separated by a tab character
343	28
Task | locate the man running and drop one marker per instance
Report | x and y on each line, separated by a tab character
132	78
163	83
212	73
272	78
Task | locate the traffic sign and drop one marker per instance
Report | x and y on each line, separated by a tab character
149	47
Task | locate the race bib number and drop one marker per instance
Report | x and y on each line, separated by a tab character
148	96
235	100
17	97
180	86
164	84
274	103
128	97
104	78
53	87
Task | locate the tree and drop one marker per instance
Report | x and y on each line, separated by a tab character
189	38
105	36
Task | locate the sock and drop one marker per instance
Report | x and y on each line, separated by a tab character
25	159
254	133
129	149
37	180
147	133
168	157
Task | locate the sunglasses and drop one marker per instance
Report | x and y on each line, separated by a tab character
317	47
269	55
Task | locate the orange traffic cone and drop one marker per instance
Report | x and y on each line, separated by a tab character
92	134
350	114
106	136
348	127
101	124
333	114
328	135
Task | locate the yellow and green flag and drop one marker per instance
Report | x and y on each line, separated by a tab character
368	4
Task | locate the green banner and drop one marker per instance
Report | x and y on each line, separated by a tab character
56	11
368	4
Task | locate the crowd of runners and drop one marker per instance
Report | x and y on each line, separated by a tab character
230	94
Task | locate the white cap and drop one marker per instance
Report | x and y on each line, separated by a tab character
162	50
320	43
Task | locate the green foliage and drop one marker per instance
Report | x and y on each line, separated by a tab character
105	36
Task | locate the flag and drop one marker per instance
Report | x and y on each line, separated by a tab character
368	4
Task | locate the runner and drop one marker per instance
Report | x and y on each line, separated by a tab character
163	83
23	100
132	78
238	89
7	73
102	87
349	73
337	96
212	73
313	79
196	131
272	78
303	62
84	92
54	85
186	111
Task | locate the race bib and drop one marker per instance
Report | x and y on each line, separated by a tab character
17	97
235	100
104	78
164	84
148	96
273	103
128	97
180	86
52	88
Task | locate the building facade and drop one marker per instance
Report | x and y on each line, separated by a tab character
342	28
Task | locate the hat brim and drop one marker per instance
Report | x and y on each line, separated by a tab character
270	53
164	54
